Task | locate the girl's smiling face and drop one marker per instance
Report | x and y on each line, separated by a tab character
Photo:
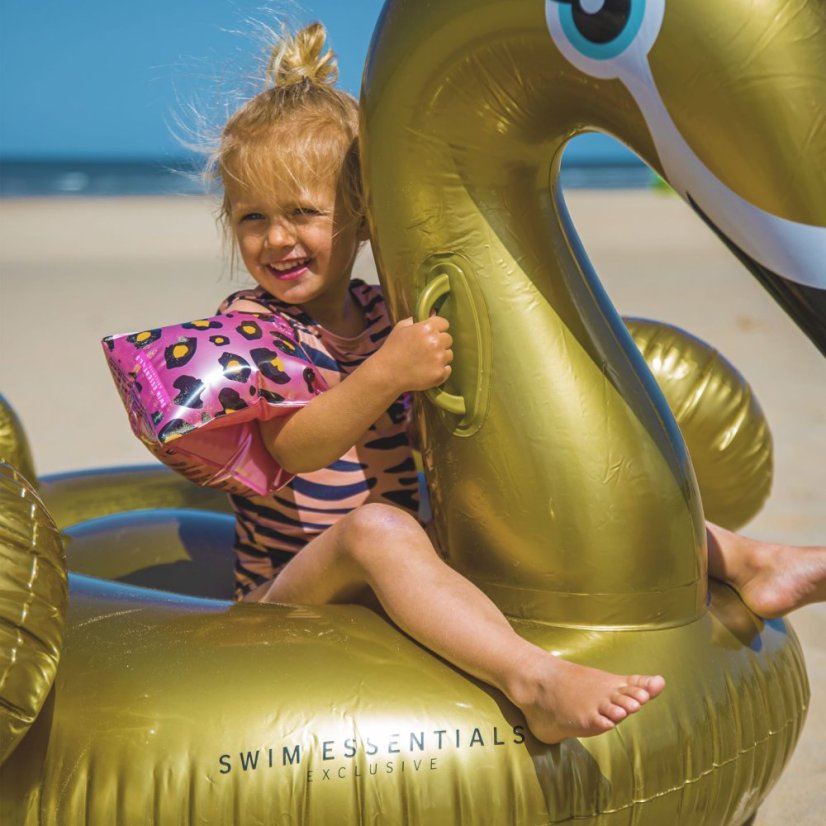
299	248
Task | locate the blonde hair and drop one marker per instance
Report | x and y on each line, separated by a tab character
299	132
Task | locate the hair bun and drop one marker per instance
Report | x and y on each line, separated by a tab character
301	57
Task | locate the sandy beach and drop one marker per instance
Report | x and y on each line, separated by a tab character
74	270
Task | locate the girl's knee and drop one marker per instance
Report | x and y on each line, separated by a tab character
381	521
379	530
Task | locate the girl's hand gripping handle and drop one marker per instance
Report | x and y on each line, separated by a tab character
436	289
417	356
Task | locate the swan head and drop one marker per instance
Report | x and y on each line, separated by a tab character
732	96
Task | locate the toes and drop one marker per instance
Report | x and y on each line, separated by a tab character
653	685
603	722
606	724
611	710
626	700
635	692
629	698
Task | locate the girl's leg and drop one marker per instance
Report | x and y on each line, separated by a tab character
771	579
385	548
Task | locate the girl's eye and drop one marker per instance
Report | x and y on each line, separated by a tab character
306	212
252	216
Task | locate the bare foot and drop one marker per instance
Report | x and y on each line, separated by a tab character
561	699
781	578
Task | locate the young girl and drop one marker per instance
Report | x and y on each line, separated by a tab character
347	521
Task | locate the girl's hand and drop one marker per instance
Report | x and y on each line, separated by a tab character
413	357
417	356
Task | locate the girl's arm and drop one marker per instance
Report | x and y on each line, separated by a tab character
414	357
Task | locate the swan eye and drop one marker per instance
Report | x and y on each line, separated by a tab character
601	22
600	29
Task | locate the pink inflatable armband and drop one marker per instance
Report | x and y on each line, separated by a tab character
194	392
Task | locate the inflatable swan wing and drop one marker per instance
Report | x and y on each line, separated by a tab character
561	484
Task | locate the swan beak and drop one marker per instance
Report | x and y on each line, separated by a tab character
805	304
747	147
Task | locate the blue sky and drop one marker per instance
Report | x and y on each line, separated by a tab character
102	79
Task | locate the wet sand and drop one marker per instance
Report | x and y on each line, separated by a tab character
74	270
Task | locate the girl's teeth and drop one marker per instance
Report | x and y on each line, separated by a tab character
289	265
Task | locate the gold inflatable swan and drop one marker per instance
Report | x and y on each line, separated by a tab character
561	484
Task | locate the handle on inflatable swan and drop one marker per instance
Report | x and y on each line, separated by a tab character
430	295
565	491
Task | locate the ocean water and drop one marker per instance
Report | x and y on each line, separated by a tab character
40	178
96	178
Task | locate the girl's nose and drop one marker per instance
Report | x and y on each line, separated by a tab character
280	233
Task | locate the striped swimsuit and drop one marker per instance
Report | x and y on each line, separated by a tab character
270	529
